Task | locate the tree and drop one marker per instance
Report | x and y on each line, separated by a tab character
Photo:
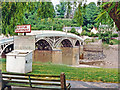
104	18
12	14
46	10
106	36
113	9
19	13
78	15
61	8
68	9
89	14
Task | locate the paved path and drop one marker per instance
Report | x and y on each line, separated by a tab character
84	85
81	84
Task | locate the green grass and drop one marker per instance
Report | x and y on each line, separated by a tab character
115	41
73	73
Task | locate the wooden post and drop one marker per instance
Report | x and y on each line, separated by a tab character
63	81
9	88
30	81
24	34
1	80
52	28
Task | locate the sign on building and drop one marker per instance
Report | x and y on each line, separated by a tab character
23	29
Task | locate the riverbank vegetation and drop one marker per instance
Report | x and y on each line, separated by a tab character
74	73
46	16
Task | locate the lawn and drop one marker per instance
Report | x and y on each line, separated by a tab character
73	73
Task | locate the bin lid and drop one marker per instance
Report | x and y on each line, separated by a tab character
19	53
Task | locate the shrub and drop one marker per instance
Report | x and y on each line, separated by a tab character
85	28
85	33
77	33
90	26
96	35
93	40
73	30
111	42
115	35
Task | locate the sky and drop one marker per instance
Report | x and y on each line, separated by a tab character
55	2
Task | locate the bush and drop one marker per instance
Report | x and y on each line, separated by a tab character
34	28
85	33
73	30
96	35
77	33
93	40
115	35
111	42
90	26
85	28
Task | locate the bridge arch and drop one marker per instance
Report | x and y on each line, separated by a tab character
77	43
65	42
8	48
43	44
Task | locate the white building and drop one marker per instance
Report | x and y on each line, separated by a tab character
78	29
94	30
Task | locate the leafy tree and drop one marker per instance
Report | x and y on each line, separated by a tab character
113	9
68	9
45	10
12	14
61	8
19	13
90	13
78	15
106	37
104	18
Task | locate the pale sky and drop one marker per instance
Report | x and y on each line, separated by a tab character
55	2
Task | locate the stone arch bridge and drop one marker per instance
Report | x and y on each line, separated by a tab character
45	40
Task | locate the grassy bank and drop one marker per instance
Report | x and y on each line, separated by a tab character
73	73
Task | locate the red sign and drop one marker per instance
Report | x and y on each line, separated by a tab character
23	29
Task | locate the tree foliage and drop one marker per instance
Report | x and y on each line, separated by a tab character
113	9
19	13
61	8
78	15
68	9
12	14
45	10
90	14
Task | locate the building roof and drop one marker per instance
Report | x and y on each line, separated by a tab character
69	28
103	26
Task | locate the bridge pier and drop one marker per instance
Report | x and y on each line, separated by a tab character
57	56
70	55
64	55
54	56
76	55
